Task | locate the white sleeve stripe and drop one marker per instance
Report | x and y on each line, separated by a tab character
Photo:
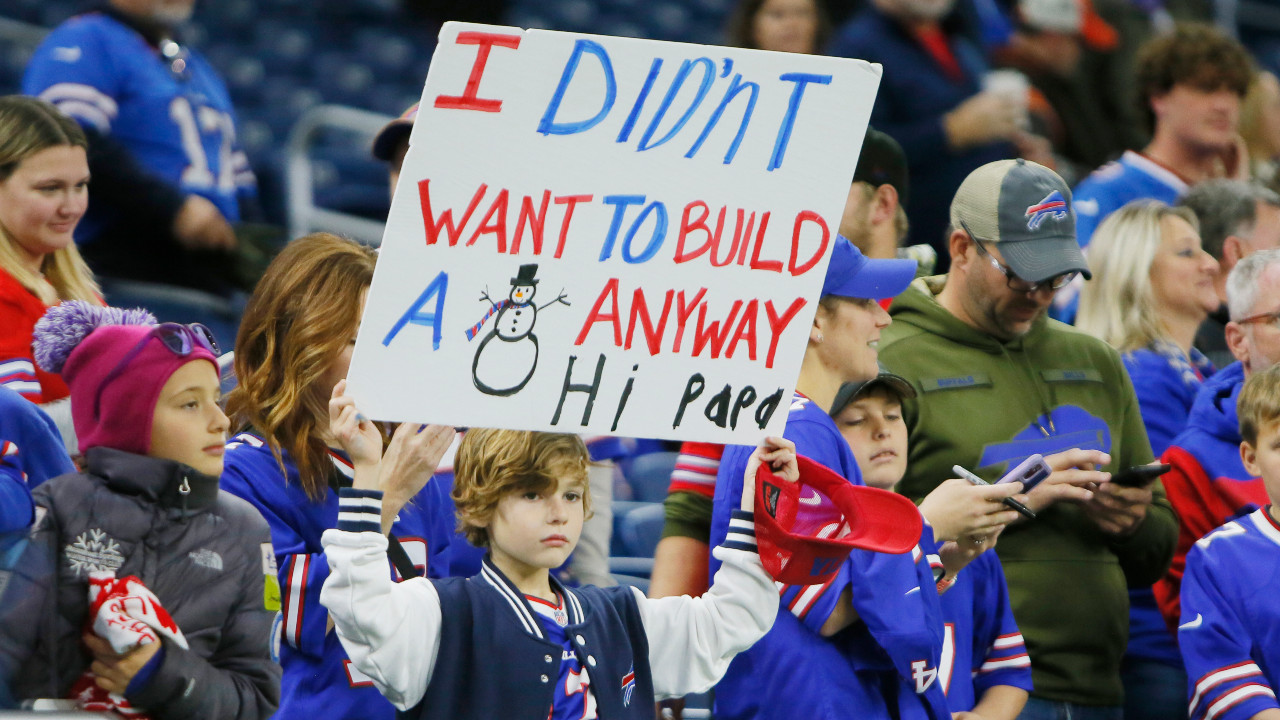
697	463
293	609
91	114
1007	641
1016	661
17	366
688	476
1237	696
1216	678
23	387
360	504
61	92
741	524
805	599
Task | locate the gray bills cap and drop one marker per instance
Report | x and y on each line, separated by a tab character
1025	209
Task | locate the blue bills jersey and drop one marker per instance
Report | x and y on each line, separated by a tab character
1230	631
573	698
891	656
319	680
981	644
173	114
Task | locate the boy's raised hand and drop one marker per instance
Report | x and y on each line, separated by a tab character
780	454
356	434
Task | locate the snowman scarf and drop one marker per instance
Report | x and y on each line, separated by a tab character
475	329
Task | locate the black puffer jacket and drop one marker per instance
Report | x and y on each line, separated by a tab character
203	552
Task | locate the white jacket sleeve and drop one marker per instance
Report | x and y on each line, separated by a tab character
391	631
692	640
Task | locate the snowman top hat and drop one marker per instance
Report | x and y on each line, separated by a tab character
525	276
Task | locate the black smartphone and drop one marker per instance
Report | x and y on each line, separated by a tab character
1139	475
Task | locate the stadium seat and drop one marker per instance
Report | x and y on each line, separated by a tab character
178	304
640	530
649	475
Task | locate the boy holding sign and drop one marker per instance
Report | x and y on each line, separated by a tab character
512	641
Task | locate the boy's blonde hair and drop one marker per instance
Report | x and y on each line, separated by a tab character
1259	403
494	463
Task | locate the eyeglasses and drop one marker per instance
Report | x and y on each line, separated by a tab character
1017	284
180	340
1271	318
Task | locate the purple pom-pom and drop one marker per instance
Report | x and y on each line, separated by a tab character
64	326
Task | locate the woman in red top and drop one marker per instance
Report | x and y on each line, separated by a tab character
44	191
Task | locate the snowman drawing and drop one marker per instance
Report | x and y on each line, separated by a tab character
508	354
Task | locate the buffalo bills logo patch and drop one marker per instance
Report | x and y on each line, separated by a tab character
1052	206
628	686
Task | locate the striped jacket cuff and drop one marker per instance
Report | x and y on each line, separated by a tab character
360	510
742	531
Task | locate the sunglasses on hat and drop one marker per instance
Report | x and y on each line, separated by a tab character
178	339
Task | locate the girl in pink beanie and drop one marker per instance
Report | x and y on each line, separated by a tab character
148	510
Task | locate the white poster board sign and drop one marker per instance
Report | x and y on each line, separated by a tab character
609	236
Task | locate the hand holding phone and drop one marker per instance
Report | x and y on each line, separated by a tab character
1030	472
1139	475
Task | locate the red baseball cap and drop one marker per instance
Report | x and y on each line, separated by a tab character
805	529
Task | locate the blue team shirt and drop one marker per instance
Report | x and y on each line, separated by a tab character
319	680
180	126
1230	626
1107	189
573	698
895	649
981	644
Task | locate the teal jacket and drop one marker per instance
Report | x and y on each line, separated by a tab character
987	405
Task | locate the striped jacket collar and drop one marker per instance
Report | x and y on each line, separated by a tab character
490	574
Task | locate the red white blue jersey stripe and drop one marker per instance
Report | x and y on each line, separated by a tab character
1229	634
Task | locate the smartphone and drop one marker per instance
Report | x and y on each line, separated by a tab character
1139	475
1029	472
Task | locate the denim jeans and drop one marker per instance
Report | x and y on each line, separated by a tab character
1153	690
1038	709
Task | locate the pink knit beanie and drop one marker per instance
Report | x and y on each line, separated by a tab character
85	343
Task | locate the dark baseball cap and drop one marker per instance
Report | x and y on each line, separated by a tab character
1026	209
851	391
882	162
852	274
805	529
384	143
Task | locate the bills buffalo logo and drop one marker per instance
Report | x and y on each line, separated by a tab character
628	686
1052	206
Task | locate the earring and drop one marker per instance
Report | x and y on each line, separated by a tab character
818	339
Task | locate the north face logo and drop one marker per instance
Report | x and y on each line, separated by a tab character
206	558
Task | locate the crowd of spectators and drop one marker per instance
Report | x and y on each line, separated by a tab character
1032	165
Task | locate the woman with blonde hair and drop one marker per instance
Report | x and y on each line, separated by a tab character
1152	287
294	347
44	191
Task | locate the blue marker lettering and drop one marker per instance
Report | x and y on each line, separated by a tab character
793	106
708	74
625	133
735	86
415	316
621	203
655	241
548	125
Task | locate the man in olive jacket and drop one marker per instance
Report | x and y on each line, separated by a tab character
999	381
